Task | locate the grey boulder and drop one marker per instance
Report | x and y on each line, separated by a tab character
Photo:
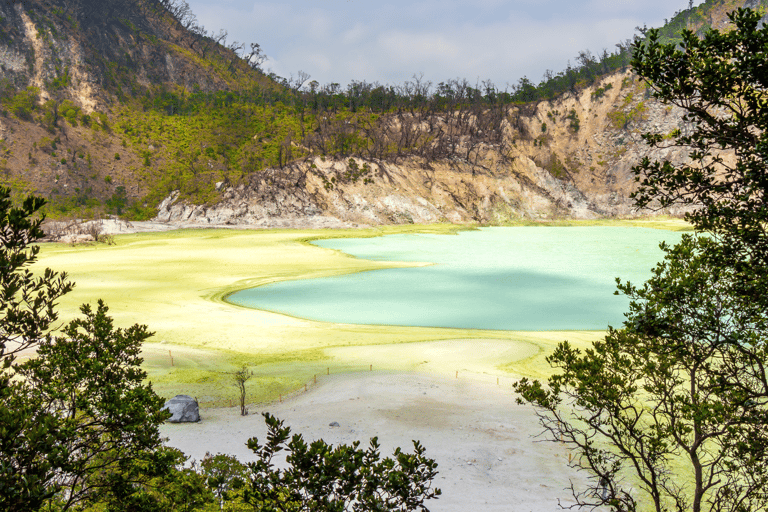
183	409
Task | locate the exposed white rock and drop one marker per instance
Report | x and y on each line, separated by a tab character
183	409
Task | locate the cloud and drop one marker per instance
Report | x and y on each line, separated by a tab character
417	48
356	34
503	52
391	40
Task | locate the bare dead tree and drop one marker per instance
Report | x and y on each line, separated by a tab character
255	58
301	78
221	37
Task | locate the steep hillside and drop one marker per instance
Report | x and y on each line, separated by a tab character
570	157
77	80
118	106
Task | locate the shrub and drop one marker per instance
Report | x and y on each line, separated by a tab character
600	91
575	124
69	111
24	103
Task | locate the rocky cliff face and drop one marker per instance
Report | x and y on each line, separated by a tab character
568	158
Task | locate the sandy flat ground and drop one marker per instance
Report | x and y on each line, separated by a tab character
485	444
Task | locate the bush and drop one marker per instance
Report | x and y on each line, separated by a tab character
24	103
69	111
600	91
345	477
574	124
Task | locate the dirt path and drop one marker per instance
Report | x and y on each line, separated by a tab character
484	443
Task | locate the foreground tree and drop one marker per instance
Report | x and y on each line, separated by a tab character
673	403
158	480
720	81
28	437
91	382
320	477
27	302
79	412
225	476
669	411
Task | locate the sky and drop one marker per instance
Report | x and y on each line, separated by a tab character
391	41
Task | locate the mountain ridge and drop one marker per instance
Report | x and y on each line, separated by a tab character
151	115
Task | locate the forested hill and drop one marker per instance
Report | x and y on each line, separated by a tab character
117	106
79	77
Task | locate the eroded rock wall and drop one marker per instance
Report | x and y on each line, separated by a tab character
571	157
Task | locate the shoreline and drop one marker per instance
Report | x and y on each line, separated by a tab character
122	227
484	443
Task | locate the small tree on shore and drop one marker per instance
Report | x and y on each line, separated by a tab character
241	377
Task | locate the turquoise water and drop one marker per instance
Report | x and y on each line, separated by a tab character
516	278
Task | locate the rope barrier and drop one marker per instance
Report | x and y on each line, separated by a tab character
298	390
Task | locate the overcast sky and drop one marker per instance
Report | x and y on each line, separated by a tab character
391	40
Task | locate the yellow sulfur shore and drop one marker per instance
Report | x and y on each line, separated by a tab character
175	283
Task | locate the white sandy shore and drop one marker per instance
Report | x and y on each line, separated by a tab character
124	227
485	444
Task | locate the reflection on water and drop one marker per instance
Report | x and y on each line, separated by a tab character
520	278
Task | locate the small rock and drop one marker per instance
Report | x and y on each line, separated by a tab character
333	424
